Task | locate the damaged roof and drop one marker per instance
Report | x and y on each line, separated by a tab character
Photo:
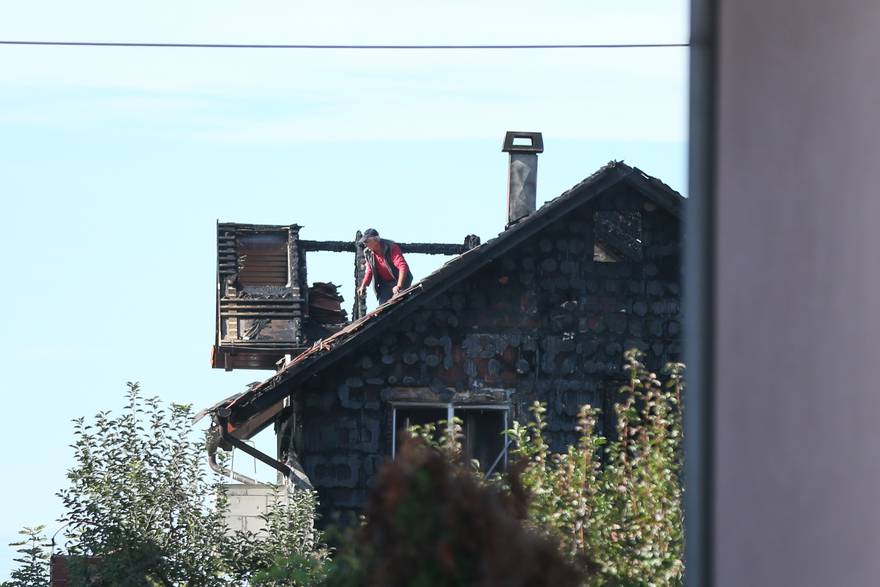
253	410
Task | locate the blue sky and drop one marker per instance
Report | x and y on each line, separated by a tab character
116	163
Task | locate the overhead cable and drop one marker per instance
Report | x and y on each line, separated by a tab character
344	47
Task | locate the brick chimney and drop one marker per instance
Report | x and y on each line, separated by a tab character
522	173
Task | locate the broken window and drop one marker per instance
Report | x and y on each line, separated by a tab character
484	439
482	429
617	236
262	259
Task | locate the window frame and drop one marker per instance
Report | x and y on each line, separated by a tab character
451	407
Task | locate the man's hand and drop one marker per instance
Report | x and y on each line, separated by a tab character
395	290
361	291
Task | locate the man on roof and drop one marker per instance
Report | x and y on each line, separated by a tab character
386	266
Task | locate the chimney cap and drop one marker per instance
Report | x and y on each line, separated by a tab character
536	142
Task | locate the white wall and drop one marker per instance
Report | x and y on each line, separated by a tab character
246	504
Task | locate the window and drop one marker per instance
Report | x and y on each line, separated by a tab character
617	236
482	426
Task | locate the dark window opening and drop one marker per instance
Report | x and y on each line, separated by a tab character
484	438
420	416
262	259
483	429
617	236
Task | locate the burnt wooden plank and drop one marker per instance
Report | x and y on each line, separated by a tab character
351	247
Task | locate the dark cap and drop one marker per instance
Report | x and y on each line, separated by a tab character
368	234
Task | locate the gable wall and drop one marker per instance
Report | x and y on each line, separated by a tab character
544	322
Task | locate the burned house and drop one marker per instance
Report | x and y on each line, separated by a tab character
541	312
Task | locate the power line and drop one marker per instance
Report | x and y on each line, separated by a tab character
345	47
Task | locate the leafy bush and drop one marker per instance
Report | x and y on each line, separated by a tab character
431	522
613	506
622	516
288	550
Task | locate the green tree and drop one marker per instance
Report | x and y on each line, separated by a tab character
33	570
143	509
139	499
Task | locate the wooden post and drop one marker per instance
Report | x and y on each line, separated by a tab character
359	308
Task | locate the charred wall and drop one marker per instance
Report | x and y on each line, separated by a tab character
543	322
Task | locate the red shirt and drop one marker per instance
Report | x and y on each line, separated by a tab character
382	266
